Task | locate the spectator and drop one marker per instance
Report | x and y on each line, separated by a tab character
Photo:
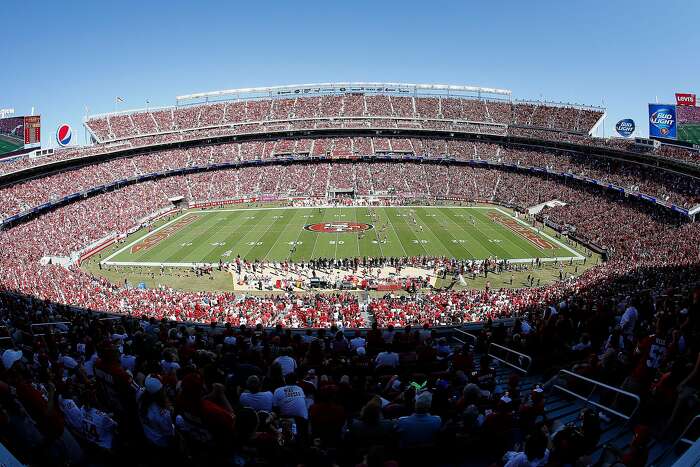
290	399
254	398
421	428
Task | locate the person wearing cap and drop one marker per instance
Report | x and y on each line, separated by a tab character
156	413
498	423
254	398
421	428
530	410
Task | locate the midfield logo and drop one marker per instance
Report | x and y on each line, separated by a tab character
339	227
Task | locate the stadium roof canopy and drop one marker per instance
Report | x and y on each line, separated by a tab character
349	87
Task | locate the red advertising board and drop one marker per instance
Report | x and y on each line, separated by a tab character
685	99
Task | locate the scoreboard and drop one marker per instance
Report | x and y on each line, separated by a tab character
32	130
19	134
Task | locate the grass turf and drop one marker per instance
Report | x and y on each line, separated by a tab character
7	146
271	234
689	132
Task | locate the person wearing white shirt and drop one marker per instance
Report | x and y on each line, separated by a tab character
535	453
128	361
357	341
629	321
387	358
255	399
72	412
156	414
288	364
169	363
98	427
290	399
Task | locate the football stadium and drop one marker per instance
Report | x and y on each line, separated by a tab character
348	273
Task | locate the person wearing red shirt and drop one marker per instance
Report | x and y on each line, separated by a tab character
651	353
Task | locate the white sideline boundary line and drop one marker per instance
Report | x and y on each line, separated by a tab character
576	254
108	261
339	207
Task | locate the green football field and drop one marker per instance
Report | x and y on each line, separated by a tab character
9	145
210	236
689	133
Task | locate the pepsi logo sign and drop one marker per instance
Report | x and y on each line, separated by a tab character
663	119
64	135
625	127
339	227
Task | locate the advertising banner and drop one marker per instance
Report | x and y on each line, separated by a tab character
662	121
625	127
685	99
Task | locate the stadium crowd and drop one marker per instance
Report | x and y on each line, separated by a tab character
106	387
638	238
96	389
364	179
146	122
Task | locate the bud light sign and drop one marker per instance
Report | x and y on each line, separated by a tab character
625	127
662	121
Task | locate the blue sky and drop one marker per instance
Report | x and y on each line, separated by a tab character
63	56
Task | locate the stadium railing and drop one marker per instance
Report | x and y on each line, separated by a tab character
59	325
614	400
5	337
688	438
512	358
465	337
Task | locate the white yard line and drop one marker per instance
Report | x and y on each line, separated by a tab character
463	245
393	229
313	250
357	235
296	241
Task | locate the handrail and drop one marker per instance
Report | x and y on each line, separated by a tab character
467	335
597	384
55	323
681	439
524	362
